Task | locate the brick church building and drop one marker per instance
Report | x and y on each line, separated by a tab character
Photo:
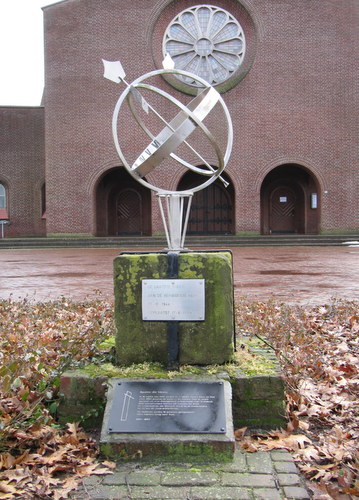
287	70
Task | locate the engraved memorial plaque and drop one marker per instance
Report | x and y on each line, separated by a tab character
173	300
168	407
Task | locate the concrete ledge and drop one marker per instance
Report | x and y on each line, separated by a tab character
257	387
191	241
257	401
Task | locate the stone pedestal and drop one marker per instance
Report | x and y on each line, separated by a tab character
200	342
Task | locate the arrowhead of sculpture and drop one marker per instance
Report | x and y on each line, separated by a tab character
168	62
113	71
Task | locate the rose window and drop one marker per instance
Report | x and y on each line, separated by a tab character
207	41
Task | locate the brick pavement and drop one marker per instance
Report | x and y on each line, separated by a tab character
250	476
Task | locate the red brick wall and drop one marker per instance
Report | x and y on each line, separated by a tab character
299	104
296	104
22	169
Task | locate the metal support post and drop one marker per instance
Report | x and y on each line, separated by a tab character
172	326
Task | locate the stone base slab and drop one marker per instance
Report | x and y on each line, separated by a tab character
169	446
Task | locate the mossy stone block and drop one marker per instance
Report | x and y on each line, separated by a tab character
200	342
82	398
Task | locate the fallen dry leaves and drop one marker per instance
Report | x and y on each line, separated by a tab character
318	349
52	466
38	342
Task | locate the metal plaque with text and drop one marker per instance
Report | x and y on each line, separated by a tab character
173	299
168	407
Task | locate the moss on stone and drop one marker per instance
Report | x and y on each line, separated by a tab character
107	344
169	451
251	363
196	452
143	370
245	361
258	391
201	342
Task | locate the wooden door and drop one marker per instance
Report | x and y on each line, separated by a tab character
129	212
283	210
211	211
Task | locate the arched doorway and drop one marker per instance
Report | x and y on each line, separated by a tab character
212	209
289	201
123	207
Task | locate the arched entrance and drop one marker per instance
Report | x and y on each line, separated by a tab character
212	209
123	207
290	201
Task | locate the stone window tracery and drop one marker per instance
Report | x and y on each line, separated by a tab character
207	41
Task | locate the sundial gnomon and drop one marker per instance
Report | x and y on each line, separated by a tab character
163	136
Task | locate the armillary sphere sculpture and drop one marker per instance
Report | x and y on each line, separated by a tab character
172	135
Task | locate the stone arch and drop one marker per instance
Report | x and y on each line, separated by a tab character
290	201
123	206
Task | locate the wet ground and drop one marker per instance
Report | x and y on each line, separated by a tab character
312	275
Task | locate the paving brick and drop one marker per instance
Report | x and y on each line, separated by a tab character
239	463
260	462
286	467
281	456
115	478
140	481
296	493
220	493
288	479
92	481
144	478
248	480
159	492
189	478
102	493
266	494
